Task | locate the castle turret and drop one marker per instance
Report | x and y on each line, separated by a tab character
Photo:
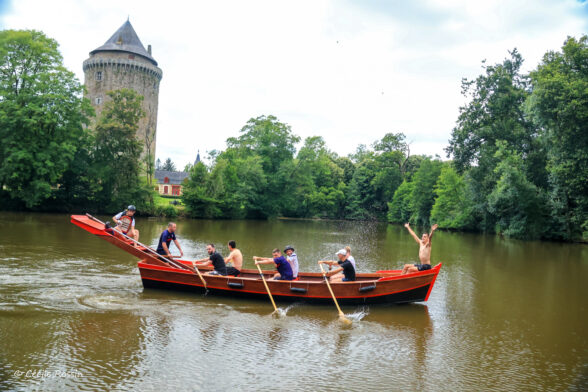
123	62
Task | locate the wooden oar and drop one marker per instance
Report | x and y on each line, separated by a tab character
341	314
170	261
200	275
267	288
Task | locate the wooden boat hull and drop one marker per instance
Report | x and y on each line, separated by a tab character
369	288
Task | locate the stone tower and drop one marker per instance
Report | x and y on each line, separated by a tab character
123	62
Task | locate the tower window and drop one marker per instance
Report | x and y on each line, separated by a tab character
131	56
98	100
98	75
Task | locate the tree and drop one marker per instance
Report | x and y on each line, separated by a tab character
196	196
452	209
274	143
118	152
495	112
149	139
158	164
399	209
377	175
42	114
423	195
313	186
518	204
168	165
559	103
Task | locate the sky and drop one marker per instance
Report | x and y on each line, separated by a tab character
349	71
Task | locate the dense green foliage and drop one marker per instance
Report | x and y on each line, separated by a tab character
522	144
50	160
519	154
117	152
260	175
41	116
559	105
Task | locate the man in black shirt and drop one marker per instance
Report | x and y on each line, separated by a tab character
345	266
214	258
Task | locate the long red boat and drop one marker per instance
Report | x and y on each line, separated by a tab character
368	288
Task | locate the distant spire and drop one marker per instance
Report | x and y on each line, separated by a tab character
197	158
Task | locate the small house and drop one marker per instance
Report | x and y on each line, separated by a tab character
170	182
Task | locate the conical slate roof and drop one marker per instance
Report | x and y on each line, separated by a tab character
125	40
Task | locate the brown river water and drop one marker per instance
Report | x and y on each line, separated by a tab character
504	315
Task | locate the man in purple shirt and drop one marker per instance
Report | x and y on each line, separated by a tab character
282	265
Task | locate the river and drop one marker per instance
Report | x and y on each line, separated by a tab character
504	315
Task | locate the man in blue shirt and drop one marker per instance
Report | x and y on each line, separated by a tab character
165	240
282	265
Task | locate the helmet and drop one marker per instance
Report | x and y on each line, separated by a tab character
131	208
288	247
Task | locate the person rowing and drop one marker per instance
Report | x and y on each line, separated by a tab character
424	251
345	272
214	258
125	223
282	265
235	257
165	240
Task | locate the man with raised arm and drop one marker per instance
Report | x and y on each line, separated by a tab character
165	240
424	251
235	257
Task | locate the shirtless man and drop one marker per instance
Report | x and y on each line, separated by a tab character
424	251
236	258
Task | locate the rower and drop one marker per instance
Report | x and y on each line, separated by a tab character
214	258
282	265
345	272
165	240
235	257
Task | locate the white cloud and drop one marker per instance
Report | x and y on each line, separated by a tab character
347	71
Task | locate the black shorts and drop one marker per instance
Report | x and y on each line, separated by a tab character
423	267
233	271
